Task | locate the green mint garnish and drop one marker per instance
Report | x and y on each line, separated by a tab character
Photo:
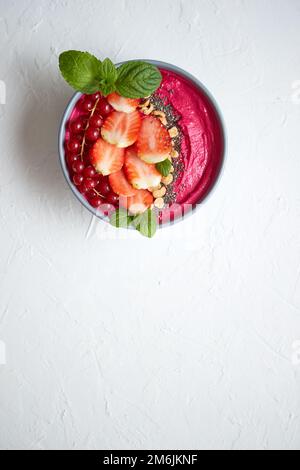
137	79
145	223
108	77
121	219
87	74
81	70
164	167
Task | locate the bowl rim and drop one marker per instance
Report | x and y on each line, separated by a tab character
167	66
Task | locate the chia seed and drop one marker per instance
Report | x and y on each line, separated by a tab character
172	121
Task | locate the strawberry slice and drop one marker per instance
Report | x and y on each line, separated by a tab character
120	185
106	158
125	105
140	174
154	142
121	129
138	203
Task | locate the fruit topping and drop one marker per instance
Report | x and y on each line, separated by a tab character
120	184
104	107
138	203
112	198
154	143
89	172
106	158
140	174
125	105
78	167
103	186
74	145
121	129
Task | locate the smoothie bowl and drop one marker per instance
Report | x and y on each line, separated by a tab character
139	161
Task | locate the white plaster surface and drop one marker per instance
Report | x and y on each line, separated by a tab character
190	340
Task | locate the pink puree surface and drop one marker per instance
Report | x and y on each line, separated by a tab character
202	141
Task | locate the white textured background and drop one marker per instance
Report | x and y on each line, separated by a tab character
185	341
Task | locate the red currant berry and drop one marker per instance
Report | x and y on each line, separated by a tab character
112	198
87	104
107	209
78	167
103	187
72	159
97	178
92	134
89	172
78	125
95	201
96	95
96	120
89	183
74	145
78	179
104	107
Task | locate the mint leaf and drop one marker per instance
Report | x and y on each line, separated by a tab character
137	79
164	167
108	77
120	219
146	223
81	70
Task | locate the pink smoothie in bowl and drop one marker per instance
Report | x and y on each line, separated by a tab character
198	140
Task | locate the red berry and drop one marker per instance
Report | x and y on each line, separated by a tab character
78	125
95	201
104	107
78	167
107	209
103	187
82	189
112	198
89	183
74	145
96	95
72	159
92	134
96	120
78	179
87	104
89	172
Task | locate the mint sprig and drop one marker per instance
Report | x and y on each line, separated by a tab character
81	71
145	223
109	75
164	167
137	79
87	74
121	219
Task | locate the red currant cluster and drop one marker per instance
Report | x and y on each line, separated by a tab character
84	132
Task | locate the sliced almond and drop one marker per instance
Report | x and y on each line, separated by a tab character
148	110
173	132
159	193
174	154
157	188
161	116
168	179
159	203
172	169
144	104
